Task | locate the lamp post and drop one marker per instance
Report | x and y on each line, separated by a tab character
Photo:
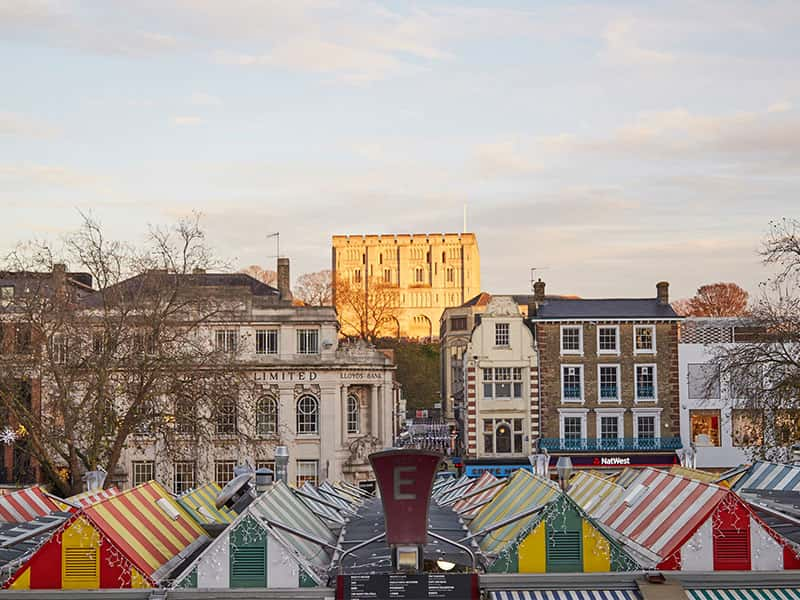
564	469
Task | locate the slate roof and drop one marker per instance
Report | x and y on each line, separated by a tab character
604	308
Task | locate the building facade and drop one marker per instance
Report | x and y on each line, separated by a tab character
502	391
431	272
711	419
608	370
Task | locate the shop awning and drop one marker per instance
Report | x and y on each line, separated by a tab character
746	594
567	595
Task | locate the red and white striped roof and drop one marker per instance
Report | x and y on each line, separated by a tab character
469	507
85	499
660	511
25	505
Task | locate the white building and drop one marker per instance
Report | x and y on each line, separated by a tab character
500	361
720	432
331	405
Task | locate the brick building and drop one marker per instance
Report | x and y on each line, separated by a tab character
608	370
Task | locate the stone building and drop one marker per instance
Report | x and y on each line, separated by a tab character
331	404
502	406
608	370
431	271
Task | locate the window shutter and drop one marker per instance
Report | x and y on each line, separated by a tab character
80	568
249	566
564	552
732	549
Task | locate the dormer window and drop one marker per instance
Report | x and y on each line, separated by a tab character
501	334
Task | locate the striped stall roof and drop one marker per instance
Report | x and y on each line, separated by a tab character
354	489
770	476
523	492
661	510
469	507
566	595
281	505
704	476
336	496
25	505
745	594
92	497
354	498
626	476
465	484
142	530
320	505
594	494
452	486
201	504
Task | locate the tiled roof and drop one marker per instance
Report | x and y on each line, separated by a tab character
605	308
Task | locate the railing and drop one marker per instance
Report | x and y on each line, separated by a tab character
613	444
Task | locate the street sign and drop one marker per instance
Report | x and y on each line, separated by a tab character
408	586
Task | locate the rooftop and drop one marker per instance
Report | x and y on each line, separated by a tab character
604	308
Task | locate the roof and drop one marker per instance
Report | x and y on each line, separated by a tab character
626	476
770	476
484	298
320	505
594	494
661	510
200	502
604	308
18	541
452	489
697	474
523	492
143	531
484	489
91	497
780	510
25	505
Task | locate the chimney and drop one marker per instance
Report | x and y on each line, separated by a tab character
283	279
662	288
198	271
538	298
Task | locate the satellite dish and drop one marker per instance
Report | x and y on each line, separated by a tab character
234	490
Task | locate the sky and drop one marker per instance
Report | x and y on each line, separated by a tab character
609	145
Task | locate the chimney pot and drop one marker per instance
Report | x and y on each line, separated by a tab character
283	279
662	289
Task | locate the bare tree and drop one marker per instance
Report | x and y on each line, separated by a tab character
315	289
263	275
369	311
114	362
714	300
763	373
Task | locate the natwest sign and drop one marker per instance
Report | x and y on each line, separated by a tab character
405	479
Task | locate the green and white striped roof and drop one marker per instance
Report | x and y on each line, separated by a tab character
594	494
745	594
200	503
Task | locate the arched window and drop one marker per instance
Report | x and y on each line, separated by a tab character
266	416
307	415
185	420
353	416
502	438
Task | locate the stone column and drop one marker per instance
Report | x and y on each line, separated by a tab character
373	410
343	414
381	413
328	432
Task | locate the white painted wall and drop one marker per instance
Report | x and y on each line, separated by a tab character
213	570
282	568
697	554
765	553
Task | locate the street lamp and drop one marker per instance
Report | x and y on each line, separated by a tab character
281	463
564	470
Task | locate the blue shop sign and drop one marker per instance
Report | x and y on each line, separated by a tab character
496	470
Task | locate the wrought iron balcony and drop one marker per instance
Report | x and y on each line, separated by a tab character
610	445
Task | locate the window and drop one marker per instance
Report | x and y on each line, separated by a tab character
184	477
608	379
223	471
6	295
185	421
308	341
225	340
226	417
703	381
306	471
353	415
357	276
419	275
458	323
748	427
571	339
266	341
22	338
501	334
146	419
646	382
646	427
142	471
266	464
787	427
607	340
266	416
502	436
644	339
572	424
387	276
704	427
573	428
99	342
502	382
58	347
307	415
451	275
572	383
609	430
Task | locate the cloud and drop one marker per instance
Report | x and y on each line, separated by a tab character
33	175
782	106
503	158
13	124
622	46
186	120
204	99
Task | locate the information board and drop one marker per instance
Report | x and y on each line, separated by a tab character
408	586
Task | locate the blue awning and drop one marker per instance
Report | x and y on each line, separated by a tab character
567	595
746	594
